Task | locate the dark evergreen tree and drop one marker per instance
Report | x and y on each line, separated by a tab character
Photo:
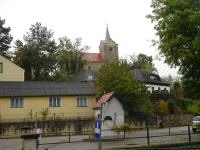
37	54
5	38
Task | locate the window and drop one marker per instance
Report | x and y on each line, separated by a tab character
81	102
158	88
110	48
153	77
152	88
17	102
1	67
165	89
54	101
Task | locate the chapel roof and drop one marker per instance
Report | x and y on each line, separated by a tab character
105	98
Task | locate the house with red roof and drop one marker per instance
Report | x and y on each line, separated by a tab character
108	51
112	114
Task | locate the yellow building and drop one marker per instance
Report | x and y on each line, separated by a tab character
23	101
10	71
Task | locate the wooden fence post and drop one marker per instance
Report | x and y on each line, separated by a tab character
148	140
189	134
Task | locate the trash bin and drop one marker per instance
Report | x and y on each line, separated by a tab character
30	138
30	141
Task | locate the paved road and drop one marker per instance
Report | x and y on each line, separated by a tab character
135	138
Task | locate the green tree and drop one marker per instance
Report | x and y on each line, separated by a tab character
163	108
37	54
158	95
5	38
193	108
143	61
69	56
177	25
117	76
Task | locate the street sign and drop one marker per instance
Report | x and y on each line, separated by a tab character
97	129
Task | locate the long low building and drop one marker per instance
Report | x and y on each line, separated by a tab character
29	100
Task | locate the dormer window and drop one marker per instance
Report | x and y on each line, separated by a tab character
153	77
1	67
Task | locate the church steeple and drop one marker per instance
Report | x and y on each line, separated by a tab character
107	37
108	48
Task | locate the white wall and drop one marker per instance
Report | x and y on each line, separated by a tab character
111	108
156	87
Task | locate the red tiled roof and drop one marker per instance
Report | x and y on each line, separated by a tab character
105	98
93	57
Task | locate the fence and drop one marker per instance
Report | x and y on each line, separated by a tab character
145	137
14	129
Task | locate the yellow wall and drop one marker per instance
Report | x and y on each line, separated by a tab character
11	72
68	108
95	66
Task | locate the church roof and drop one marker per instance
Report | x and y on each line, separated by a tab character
86	76
93	57
107	37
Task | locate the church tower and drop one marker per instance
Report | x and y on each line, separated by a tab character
108	48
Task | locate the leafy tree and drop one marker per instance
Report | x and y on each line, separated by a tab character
163	108
177	90
37	54
117	76
158	95
69	55
143	61
5	38
193	108
177	25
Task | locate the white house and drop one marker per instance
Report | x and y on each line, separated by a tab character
112	114
152	81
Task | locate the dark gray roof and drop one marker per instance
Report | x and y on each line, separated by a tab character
44	88
86	76
144	76
107	37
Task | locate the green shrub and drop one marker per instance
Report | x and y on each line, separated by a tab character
124	128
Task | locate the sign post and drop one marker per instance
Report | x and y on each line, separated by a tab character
99	123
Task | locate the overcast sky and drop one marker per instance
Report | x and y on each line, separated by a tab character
87	19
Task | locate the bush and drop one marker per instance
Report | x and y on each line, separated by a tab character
124	128
193	108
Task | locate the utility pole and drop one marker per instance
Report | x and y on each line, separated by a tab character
100	118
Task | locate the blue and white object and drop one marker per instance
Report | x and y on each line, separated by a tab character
97	129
